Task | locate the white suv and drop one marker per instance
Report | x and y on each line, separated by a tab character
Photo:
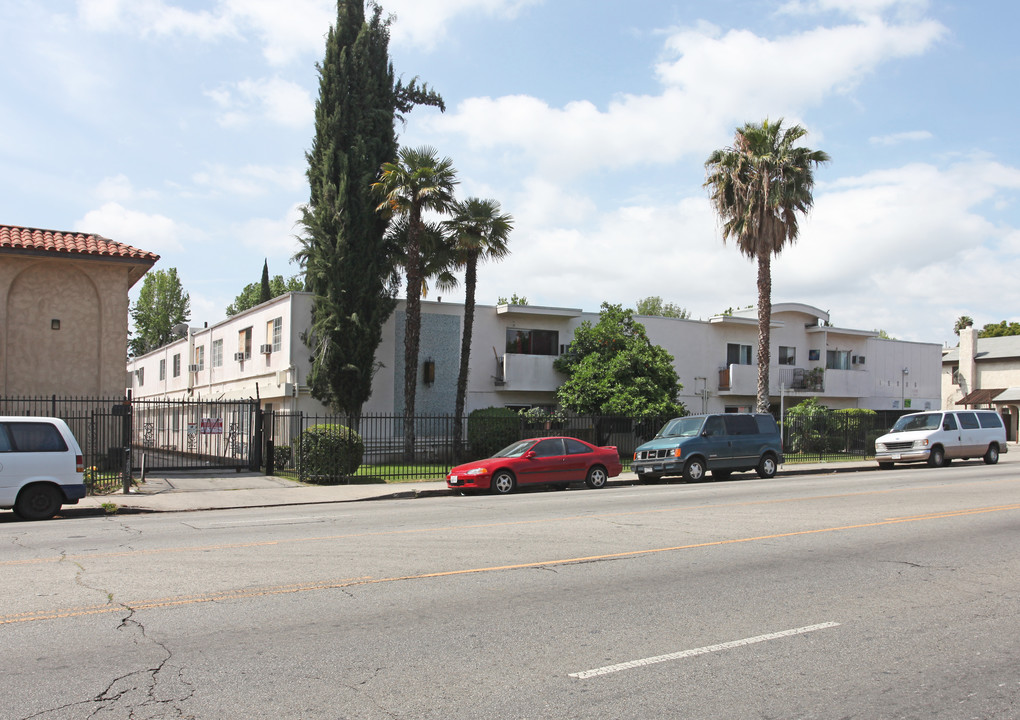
940	437
41	466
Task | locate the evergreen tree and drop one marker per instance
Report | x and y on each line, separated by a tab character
343	252
266	294
162	305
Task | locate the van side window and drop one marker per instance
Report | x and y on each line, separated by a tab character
968	421
766	424
5	440
36	437
740	425
949	422
989	420
714	426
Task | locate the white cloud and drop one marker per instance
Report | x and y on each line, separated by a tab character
424	22
152	17
899	138
119	188
271	237
154	233
279	101
250	180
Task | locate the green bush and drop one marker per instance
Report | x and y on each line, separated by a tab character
282	455
327	454
492	429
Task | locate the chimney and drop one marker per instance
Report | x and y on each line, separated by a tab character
968	365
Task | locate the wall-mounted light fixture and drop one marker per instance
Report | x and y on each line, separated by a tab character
428	372
55	324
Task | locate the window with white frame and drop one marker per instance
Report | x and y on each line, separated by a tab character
738	354
274	333
200	357
162	369
837	359
140	374
177	364
787	355
244	343
217	353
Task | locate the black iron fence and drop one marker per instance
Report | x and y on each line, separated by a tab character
835	435
120	436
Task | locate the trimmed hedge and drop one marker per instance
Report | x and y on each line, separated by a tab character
328	454
492	429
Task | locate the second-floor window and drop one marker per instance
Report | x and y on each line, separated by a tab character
274	334
738	354
140	373
162	369
177	364
217	353
200	357
244	343
532	342
956	375
787	355
837	359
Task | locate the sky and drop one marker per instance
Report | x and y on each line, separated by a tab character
181	127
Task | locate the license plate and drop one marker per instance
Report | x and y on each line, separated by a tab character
453	479
896	456
646	469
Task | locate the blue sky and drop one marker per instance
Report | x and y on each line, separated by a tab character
180	127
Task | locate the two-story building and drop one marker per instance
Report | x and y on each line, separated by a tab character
984	373
260	353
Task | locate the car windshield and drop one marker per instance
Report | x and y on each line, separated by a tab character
927	421
515	450
682	427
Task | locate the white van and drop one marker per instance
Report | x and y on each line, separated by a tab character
939	437
41	466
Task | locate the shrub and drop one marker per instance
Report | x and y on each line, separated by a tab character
282	456
329	453
492	429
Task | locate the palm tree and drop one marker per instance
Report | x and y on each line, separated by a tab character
417	182
480	231
964	321
757	187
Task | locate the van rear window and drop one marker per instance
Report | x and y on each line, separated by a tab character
989	420
35	437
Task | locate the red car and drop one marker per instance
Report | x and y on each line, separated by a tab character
554	461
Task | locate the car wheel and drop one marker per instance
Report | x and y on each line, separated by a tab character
937	457
503	482
992	456
597	477
767	467
37	502
886	465
694	470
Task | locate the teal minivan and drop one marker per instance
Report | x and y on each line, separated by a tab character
721	443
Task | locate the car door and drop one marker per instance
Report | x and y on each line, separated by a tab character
716	444
950	437
576	462
970	436
742	432
543	463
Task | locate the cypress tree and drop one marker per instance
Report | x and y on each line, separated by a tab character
266	292
343	251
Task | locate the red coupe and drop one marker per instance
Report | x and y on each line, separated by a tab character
556	461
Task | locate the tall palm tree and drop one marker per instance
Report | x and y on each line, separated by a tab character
480	230
418	182
757	187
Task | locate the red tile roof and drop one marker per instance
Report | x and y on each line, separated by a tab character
70	243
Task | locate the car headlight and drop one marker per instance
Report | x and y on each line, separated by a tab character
476	471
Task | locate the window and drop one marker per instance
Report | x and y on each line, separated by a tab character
837	359
217	353
787	355
956	375
715	427
177	364
35	437
274	333
989	420
949	422
575	447
162	369
532	342
549	448
740	425
968	421
244	343
140	374
200	357
738	354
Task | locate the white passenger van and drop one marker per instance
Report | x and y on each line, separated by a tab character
939	437
41	466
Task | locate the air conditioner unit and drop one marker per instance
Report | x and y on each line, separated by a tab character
193	368
857	360
239	357
265	349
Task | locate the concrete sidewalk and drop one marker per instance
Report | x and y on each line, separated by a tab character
185	492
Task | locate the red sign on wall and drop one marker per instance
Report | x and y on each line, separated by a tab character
212	426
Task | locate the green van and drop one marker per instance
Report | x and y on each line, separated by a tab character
721	443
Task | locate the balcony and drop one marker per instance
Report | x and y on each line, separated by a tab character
526	373
743	380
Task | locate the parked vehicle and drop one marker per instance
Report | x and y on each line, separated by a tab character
41	466
725	443
556	461
940	437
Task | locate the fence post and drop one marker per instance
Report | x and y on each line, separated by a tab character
255	451
268	419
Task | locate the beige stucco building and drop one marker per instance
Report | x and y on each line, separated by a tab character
984	373
64	312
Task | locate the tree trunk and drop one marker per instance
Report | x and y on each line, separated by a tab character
764	326
470	280
412	330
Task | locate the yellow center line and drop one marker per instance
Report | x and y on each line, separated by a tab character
368	580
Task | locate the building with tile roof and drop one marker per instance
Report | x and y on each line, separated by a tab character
984	373
64	311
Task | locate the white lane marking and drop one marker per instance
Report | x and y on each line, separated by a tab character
700	651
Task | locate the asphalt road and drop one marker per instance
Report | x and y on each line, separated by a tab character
862	595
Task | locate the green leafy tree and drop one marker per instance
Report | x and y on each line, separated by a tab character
343	249
480	230
162	304
964	321
418	182
253	293
758	187
1000	329
654	306
612	368
514	299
